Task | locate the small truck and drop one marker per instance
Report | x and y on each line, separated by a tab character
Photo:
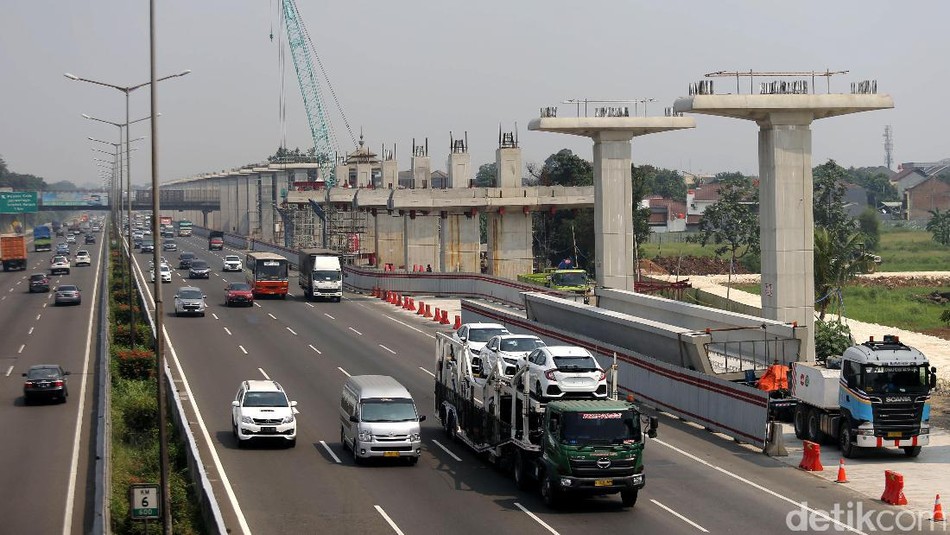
13	251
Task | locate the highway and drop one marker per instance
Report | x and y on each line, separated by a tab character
47	452
696	483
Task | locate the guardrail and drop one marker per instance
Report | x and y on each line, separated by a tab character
103	468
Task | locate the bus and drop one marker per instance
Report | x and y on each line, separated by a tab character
266	274
184	228
42	239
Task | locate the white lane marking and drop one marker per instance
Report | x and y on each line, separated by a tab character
3	298
310	305
535	518
213	315
335	458
760	487
242	349
410	326
387	349
227	331
38	317
346	373
11	290
427	371
30	331
292	331
22	347
476	401
681	517
329	316
264	373
357	332
80	409
19	283
273	317
258	305
9	371
315	349
389	520
446	450
44	306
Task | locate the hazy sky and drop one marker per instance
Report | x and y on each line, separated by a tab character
415	69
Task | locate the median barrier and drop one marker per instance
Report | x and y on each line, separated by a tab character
811	457
893	488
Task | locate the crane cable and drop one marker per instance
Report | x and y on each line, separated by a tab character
281	62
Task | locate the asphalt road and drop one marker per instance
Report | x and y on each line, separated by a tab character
696	482
46	454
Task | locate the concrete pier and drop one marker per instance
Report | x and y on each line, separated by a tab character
613	195
510	233
786	189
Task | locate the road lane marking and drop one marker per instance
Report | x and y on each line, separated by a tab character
346	373
310	305
30	331
292	331
410	326
273	317
389	520
329	316
476	401
387	349
11	290
315	349
427	371
264	373
44	306
228	331
9	371
446	450
681	517
213	315
357	332
756	486
242	349
38	317
22	347
258	305
335	458
536	519
3	298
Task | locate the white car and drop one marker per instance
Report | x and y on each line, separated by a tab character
511	349
83	258
60	264
71	238
477	335
164	270
559	371
190	300
232	263
261	410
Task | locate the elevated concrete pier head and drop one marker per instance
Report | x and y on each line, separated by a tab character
613	190
786	219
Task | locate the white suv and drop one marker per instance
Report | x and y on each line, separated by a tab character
261	410
559	371
83	258
231	263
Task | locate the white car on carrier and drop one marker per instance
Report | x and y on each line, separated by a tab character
566	371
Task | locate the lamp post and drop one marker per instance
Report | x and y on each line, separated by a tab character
159	341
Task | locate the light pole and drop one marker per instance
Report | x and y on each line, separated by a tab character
159	341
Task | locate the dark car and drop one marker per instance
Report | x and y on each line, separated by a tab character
67	294
137	242
185	259
62	248
199	270
148	247
39	282
90	239
168	244
238	293
46	381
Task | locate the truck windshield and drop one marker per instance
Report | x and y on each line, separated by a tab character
324	275
387	410
621	427
896	379
569	279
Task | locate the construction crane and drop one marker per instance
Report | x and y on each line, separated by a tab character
305	59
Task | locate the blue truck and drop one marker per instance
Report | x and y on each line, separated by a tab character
42	239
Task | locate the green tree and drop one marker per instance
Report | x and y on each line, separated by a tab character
837	260
870	225
939	226
829	186
555	235
485	177
666	183
831	338
641	216
563	168
732	223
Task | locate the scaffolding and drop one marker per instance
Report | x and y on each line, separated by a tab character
304	226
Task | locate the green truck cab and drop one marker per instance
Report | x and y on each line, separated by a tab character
575	281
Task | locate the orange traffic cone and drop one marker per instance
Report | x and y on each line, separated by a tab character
842	477
938	511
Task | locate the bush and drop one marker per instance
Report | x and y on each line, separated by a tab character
135	364
831	338
122	313
137	405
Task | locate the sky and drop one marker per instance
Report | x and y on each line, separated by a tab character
422	69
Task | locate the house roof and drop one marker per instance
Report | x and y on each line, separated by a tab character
707	192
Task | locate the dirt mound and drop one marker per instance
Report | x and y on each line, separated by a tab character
904	280
696	265
649	267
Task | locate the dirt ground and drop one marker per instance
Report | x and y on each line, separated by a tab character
940	406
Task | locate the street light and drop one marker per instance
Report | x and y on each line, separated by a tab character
159	342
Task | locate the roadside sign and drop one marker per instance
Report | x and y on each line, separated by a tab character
144	501
17	202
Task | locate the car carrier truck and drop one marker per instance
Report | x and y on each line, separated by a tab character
577	447
876	395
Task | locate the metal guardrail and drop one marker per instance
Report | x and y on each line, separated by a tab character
103	467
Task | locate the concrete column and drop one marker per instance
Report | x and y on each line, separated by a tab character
613	210
510	233
388	238
390	170
459	241
267	206
459	167
421	240
421	172
508	163
342	174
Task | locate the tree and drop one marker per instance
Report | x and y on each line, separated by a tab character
641	216
870	225
563	168
62	185
732	223
838	259
666	183
939	226
829	184
485	177
555	235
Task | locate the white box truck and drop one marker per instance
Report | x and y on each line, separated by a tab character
321	276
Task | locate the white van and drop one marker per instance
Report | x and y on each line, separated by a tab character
379	419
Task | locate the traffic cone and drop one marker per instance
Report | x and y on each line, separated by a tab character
445	318
938	511
438	315
458	322
842	477
422	308
428	313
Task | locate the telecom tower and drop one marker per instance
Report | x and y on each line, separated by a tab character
888	146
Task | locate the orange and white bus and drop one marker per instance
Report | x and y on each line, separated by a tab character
266	274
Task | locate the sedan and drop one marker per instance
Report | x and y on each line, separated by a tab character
232	263
83	258
90	239
559	371
185	259
62	248
48	381
39	282
67	294
511	349
164	270
148	247
169	244
199	270
238	293
71	239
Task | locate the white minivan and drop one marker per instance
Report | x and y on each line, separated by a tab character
379	419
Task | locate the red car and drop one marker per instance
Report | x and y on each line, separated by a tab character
238	293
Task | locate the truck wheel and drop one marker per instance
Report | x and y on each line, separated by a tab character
450	427
629	497
912	451
799	419
550	494
845	439
813	426
522	481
